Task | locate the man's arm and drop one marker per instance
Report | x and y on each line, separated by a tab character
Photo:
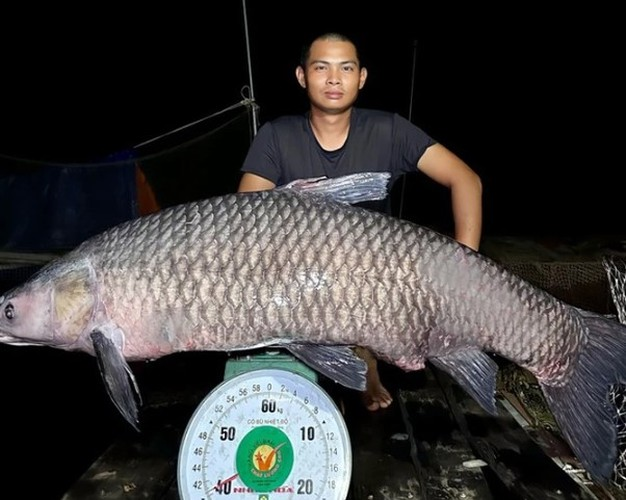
253	182
443	166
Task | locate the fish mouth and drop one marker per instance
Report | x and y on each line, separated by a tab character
11	340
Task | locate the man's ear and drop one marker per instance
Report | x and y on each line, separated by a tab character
362	78
300	77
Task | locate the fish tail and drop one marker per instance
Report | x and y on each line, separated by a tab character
582	407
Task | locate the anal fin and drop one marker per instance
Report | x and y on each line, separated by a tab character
475	372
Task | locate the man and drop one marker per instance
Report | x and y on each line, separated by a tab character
336	138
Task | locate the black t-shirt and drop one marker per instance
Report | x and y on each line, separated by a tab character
285	149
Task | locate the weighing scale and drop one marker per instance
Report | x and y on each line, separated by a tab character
268	431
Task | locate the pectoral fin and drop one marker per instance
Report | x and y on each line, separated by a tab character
338	363
475	372
117	377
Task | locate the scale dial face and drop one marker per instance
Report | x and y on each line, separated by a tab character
265	434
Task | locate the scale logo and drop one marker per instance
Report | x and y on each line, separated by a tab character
264	459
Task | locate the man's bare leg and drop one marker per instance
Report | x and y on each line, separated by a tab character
375	396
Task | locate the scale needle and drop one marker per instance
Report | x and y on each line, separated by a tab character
225	481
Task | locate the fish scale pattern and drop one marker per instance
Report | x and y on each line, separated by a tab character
253	269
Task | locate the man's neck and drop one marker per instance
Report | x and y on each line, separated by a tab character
330	130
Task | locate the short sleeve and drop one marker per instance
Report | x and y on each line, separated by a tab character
263	157
410	143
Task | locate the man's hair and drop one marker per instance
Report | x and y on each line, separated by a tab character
330	37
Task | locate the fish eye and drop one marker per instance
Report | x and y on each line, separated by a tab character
9	311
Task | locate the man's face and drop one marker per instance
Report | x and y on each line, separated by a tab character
332	76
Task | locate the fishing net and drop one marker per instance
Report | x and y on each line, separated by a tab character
580	283
616	273
66	203
615	268
571	271
596	283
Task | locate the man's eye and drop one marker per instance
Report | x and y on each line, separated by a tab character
348	69
9	311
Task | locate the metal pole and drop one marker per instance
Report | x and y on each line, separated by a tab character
413	79
254	106
410	119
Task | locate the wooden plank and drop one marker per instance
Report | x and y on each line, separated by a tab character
396	453
138	466
516	459
448	468
556	448
382	467
144	465
422	447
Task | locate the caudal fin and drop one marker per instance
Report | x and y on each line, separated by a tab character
582	407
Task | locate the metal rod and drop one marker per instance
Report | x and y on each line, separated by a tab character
413	79
254	107
410	119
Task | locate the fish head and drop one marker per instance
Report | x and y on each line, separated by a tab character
25	316
53	308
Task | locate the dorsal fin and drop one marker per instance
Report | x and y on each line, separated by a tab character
353	188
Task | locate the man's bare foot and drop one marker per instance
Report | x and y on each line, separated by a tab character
375	396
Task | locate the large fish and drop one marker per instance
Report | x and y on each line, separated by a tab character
314	274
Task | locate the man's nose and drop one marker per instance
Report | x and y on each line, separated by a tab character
333	76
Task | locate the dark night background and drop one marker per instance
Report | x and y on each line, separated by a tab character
530	97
